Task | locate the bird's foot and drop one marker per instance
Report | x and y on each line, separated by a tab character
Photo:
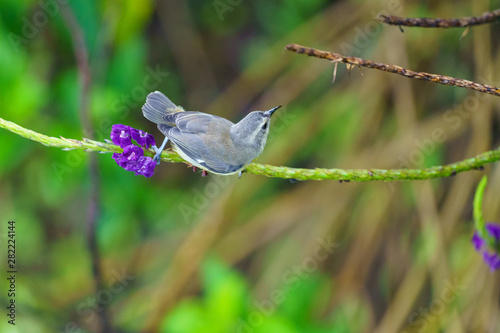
158	151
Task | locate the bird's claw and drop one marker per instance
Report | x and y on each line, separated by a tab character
157	157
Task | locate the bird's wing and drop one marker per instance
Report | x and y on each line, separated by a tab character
187	135
189	121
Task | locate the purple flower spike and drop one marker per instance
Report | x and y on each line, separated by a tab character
480	244
132	158
120	135
142	138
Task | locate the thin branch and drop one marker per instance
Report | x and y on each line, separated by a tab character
71	144
354	61
487	17
356	175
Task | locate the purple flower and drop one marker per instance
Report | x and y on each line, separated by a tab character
142	138
493	260
477	241
120	135
494	230
147	166
129	157
132	158
480	244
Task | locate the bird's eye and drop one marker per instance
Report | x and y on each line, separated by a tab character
264	126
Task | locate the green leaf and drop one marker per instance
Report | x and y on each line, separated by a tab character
189	316
225	294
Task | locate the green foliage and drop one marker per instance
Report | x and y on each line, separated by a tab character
360	121
225	293
226	305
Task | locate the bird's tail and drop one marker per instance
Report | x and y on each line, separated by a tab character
157	105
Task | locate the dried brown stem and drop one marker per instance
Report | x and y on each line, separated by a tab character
424	22
82	61
354	61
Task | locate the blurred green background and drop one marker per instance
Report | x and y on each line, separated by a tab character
181	253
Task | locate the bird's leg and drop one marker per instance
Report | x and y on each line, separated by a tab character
158	151
204	173
194	168
239	174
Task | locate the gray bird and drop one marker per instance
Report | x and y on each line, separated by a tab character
206	141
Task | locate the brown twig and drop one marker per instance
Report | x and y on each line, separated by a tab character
424	22
81	55
354	61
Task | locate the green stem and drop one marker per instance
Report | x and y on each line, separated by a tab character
70	144
357	175
479	222
478	204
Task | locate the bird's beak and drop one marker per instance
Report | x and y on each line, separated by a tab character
269	113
